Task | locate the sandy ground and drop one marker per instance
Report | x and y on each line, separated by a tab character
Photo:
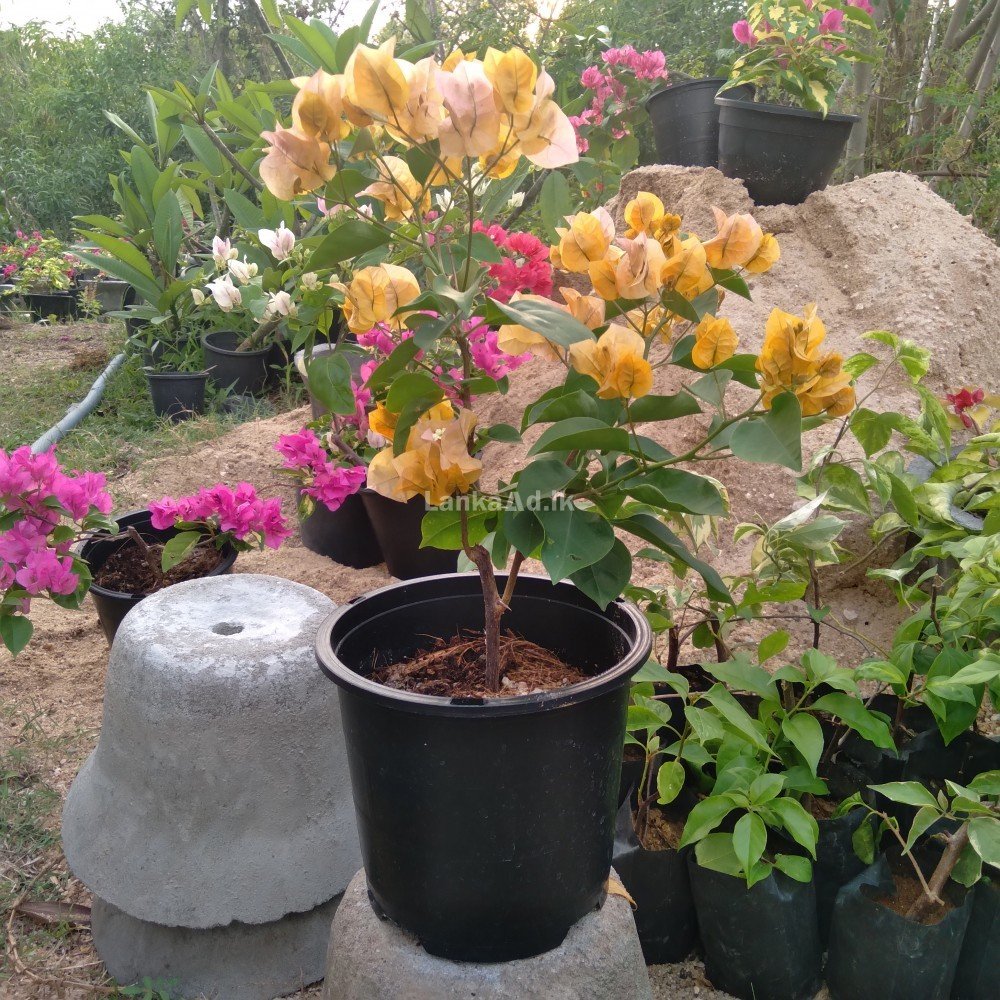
879	253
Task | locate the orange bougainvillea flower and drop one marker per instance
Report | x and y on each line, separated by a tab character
294	163
398	190
587	240
514	77
375	294
737	242
472	123
436	463
685	269
515	339
768	254
645	214
790	361
588	309
318	108
715	342
602	274
615	362
424	107
546	136
376	84
638	270
383	421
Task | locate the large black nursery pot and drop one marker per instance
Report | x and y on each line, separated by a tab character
177	395
397	528
761	942
109	293
61	305
685	120
877	953
781	154
344	535
112	605
242	372
977	976
486	825
658	882
836	863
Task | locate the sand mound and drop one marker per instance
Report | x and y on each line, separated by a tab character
882	252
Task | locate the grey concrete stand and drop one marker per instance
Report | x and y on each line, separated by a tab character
372	959
218	798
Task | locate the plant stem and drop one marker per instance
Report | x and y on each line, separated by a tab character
932	891
508	591
266	327
492	605
148	553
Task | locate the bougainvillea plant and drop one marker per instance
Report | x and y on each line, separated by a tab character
379	139
219	516
800	49
35	262
44	510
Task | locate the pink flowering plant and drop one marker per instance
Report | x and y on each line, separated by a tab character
799	50
221	517
36	262
44	510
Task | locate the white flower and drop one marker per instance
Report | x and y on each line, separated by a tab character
376	440
310	281
222	252
444	201
242	270
279	242
226	294
198	295
280	304
367	211
516	200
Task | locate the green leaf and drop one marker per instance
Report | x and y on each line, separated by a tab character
774	438
772	644
442	529
704	818
910	793
740	675
348	240
655	408
168	231
804	732
574	539
968	869
749	840
925	818
873	430
794	866
546	318
801	827
863	841
608	577
329	378
503	432
669	781
716	854
177	549
984	835
582	433
523	531
15	630
204	150
853	713
554	202
857	364
245	212
540	479
679	490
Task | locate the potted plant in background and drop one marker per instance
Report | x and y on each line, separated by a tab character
794	52
542	674
107	291
899	927
43	274
177	378
174	540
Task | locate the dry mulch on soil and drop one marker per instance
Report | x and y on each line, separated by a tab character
130	570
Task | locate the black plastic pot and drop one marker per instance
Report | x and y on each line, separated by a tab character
836	863
397	528
112	606
686	121
486	825
344	535
658	882
982	753
242	372
878	953
108	293
61	305
761	942
976	977
177	395
782	155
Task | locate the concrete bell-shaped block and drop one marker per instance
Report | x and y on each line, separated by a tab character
219	790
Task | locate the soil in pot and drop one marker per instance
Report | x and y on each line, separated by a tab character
486	825
344	535
759	942
130	570
781	154
877	952
397	528
656	876
685	121
241	372
976	977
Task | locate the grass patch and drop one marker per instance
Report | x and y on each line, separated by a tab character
47	369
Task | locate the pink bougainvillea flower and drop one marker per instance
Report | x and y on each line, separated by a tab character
832	21
743	33
963	400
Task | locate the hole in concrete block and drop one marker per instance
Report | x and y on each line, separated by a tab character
227	628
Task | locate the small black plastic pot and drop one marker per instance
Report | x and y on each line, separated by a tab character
976	977
836	863
486	825
242	372
761	942
177	395
982	753
344	535
878	953
686	121
658	882
112	605
781	154
397	528
61	305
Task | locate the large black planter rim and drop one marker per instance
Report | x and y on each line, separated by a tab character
636	648
206	341
673	88
785	111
